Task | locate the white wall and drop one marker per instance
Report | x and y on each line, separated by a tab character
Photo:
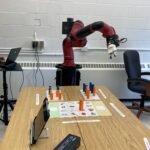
19	19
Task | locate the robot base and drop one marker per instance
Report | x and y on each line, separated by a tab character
67	76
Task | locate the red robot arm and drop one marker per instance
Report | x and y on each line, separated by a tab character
77	38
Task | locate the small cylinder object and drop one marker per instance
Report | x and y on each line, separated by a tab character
49	88
94	91
87	92
90	86
57	88
81	105
84	87
60	95
51	95
57	93
50	91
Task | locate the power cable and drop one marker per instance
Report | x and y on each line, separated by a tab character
10	85
38	67
22	81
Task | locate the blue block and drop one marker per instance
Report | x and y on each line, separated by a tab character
90	86
84	87
49	88
58	88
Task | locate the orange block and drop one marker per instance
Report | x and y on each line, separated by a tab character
87	88
60	95
81	105
57	93
87	92
51	95
94	91
50	92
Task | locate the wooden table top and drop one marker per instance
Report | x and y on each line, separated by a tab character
112	132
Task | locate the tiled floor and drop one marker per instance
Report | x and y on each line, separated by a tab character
2	131
145	118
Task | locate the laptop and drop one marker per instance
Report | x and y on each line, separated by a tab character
12	56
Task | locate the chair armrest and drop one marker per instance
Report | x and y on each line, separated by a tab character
145	73
145	82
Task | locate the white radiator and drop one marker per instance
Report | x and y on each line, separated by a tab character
110	74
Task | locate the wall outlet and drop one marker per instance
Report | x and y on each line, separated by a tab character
38	45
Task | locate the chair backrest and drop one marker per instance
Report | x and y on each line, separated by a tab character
132	64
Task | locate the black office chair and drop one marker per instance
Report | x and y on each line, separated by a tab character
135	81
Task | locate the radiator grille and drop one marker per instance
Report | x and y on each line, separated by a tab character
86	66
148	66
34	64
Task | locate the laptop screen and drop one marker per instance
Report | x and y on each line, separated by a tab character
12	56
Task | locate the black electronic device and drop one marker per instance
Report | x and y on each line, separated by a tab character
12	56
39	121
70	142
67	76
66	26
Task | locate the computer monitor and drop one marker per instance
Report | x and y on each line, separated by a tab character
12	56
39	121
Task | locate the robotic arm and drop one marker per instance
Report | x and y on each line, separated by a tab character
76	37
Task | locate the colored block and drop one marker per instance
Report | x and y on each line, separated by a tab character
81	105
57	88
84	87
60	95
51	95
94	90
91	86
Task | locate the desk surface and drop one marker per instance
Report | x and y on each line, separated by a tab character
113	132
